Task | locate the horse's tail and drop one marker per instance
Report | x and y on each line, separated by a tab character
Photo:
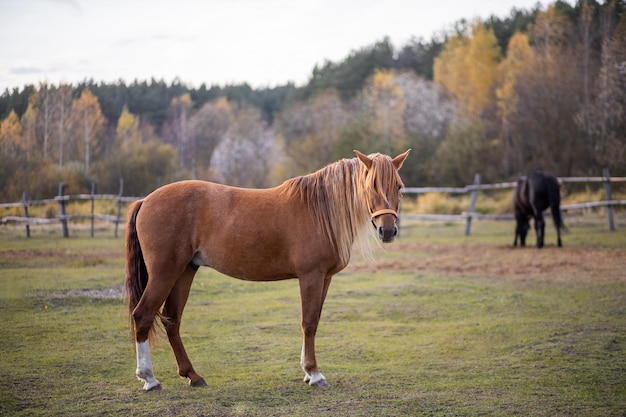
554	197
136	272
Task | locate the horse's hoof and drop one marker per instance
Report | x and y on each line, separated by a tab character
199	383
155	388
322	383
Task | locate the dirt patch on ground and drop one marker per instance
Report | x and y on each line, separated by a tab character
504	262
113	292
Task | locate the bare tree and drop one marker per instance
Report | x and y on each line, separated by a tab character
207	128
244	157
176	131
62	102
606	121
310	130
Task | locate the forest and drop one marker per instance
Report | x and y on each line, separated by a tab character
539	89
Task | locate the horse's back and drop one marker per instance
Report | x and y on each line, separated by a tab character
178	207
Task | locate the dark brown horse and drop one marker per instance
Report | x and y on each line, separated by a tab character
531	197
304	228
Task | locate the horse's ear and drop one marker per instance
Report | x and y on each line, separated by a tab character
399	160
364	159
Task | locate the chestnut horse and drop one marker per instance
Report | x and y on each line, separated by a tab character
304	228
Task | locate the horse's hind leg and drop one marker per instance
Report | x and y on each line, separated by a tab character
524	231
521	230
143	316
557	225
144	367
172	316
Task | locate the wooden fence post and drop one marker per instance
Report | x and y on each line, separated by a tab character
119	206
66	232
93	192
608	197
468	223
25	203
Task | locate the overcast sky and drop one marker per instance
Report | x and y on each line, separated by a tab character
262	42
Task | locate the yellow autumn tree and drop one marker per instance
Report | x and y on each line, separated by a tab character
30	128
467	68
385	103
550	33
127	131
138	157
520	58
12	152
449	66
11	135
87	127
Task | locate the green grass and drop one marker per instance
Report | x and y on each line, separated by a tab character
440	324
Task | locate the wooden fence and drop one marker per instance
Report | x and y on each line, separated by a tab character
61	199
477	186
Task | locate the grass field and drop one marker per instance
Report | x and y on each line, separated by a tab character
438	325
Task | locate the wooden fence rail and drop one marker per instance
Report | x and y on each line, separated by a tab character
61	199
477	186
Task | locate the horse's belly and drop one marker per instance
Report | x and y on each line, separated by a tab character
247	265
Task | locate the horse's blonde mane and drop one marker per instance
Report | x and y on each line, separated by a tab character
337	196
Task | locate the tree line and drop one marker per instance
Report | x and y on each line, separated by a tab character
538	89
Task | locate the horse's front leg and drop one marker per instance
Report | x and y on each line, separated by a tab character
312	294
540	228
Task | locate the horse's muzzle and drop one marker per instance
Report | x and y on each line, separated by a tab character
387	234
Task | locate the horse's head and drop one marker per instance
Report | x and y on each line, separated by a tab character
382	186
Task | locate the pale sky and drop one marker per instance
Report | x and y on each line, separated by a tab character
262	42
